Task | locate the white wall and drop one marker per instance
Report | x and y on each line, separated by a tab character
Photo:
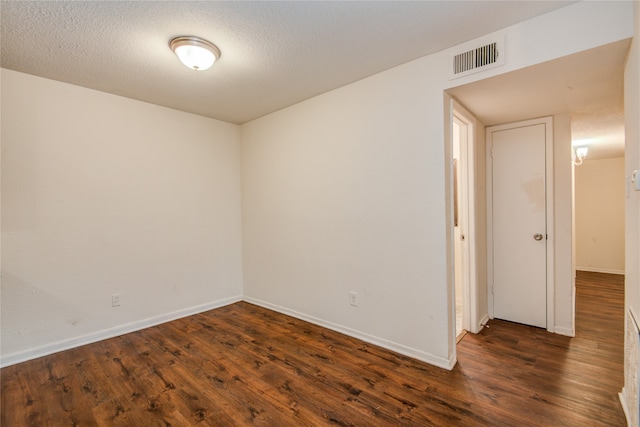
632	210
348	191
564	279
344	192
632	162
600	201
102	195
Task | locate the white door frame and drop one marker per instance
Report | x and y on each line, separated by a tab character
467	211
548	122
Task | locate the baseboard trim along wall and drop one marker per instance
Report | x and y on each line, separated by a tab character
599	270
623	401
564	331
380	342
23	356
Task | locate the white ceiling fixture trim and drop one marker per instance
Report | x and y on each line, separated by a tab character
194	52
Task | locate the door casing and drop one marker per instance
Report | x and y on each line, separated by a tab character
467	215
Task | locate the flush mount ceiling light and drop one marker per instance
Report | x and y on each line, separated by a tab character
194	52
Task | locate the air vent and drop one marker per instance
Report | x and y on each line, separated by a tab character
477	59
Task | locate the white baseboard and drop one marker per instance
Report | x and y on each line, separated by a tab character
557	330
33	353
381	342
599	270
623	402
564	331
47	349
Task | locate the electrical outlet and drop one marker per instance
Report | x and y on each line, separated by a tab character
353	298
115	300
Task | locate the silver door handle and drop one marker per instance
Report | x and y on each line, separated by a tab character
538	236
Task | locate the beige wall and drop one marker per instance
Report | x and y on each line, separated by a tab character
600	201
343	193
350	191
629	396
103	195
632	162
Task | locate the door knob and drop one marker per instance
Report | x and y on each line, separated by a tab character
538	236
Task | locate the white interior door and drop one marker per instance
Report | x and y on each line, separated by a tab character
519	223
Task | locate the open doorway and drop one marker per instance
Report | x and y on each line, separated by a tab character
571	89
464	236
460	276
600	233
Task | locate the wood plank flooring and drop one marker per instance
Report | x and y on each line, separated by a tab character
242	365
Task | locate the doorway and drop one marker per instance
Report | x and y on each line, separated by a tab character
459	224
464	216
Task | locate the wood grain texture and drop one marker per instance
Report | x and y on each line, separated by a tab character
243	365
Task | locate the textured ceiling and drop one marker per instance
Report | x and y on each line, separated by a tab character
274	54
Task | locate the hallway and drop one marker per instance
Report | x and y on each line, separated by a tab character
523	375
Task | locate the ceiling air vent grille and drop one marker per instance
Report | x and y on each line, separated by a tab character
477	59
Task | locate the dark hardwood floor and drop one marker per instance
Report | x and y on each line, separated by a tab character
242	365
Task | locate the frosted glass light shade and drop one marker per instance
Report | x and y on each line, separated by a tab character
194	52
582	152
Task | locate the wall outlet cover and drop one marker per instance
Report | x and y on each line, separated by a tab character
353	298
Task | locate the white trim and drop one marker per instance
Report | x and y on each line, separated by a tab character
471	254
623	401
550	242
551	269
47	349
489	219
599	270
568	332
626	394
381	342
464	232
